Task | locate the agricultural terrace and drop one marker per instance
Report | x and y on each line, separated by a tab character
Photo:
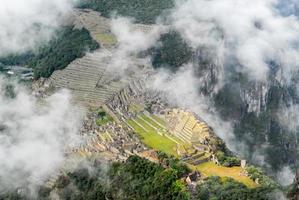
153	133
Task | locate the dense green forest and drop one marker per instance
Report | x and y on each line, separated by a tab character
68	45
16	59
173	52
138	178
227	189
142	11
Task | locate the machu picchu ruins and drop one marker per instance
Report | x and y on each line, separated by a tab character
149	100
143	122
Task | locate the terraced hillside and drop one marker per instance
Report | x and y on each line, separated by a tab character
154	134
89	78
90	81
136	110
98	26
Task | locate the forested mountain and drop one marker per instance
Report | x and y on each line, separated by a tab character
172	109
68	45
142	11
139	178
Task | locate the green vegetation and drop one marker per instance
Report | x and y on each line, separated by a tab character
106	38
103	117
68	45
137	178
153	121
149	180
16	59
143	11
211	169
228	161
153	137
173	53
257	129
256	174
228	101
228	189
159	120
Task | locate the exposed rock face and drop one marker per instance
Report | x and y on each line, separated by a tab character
92	84
209	72
252	106
254	97
294	194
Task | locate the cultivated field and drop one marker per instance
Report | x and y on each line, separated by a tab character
211	169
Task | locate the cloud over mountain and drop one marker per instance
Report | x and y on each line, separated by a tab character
24	24
34	135
253	32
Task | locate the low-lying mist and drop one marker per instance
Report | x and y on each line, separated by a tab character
26	24
246	36
34	135
252	38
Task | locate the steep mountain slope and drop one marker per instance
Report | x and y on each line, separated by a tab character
70	43
144	12
128	118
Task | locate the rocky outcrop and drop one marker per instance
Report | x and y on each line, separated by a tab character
254	97
294	193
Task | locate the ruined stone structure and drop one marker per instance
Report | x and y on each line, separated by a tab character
113	137
110	142
187	127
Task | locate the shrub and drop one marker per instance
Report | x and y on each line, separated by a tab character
227	161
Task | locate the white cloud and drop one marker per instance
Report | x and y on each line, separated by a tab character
288	117
131	41
24	24
34	135
252	30
285	176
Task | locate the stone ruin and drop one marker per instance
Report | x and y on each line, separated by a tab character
187	127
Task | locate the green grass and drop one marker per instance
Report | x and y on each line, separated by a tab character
103	118
211	169
106	39
152	139
158	119
152	122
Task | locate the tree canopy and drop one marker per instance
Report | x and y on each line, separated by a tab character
143	11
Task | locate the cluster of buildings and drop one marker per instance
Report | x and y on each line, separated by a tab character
23	73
